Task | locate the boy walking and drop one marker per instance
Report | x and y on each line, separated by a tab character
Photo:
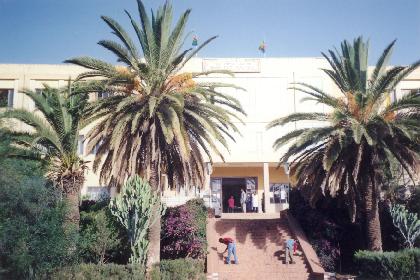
289	248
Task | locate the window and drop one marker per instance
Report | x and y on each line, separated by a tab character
39	91
80	145
279	193
103	94
96	148
6	97
405	91
97	192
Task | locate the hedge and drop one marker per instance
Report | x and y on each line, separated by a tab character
402	265
98	272
180	269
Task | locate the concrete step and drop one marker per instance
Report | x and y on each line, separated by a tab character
260	248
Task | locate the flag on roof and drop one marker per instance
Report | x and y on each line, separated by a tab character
262	47
195	41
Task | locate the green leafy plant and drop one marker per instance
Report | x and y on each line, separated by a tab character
34	238
360	136
179	269
98	272
99	238
403	264
407	223
134	209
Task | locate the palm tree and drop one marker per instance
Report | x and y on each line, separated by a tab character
364	133
158	120
50	133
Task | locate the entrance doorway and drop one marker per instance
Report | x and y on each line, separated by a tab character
223	188
232	187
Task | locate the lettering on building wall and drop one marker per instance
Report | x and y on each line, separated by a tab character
236	65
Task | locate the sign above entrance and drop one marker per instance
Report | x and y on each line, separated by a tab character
236	65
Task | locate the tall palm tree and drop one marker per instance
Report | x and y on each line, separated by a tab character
363	134
50	133
158	120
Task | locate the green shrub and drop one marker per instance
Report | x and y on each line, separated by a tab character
32	236
179	269
402	265
90	234
98	272
98	238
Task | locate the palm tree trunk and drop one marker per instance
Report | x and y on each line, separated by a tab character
73	214
72	184
153	255
373	225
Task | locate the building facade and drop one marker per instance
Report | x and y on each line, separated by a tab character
251	163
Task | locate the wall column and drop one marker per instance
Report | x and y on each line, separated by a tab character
113	192
266	178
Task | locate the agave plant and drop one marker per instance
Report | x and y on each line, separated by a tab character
158	119
50	134
364	133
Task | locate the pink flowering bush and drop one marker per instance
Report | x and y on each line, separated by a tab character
183	231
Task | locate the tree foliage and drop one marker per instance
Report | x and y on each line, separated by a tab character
363	133
158	118
50	134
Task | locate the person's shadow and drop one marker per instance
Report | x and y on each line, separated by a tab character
281	255
221	257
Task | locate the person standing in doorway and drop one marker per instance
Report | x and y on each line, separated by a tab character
255	202
231	204
249	202
283	195
243	200
230	247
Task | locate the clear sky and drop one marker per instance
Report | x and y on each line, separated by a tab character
50	31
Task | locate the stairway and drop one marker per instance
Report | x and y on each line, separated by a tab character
260	250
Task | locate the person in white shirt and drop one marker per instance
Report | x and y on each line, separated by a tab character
243	200
255	202
282	196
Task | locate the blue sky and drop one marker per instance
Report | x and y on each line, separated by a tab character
50	31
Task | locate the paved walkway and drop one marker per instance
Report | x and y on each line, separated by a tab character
259	246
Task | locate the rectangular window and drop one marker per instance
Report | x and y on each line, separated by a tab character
96	148
279	193
6	98
97	193
103	94
80	145
405	91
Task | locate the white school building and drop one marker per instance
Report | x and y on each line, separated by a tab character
251	162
